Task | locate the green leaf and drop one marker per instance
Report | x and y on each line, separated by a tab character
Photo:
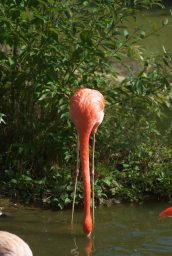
170	99
14	181
126	34
139	87
165	22
11	61
2	118
67	201
142	34
86	37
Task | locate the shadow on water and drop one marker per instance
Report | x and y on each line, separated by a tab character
119	230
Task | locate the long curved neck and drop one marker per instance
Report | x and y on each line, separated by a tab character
84	156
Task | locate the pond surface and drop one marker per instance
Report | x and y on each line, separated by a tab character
150	21
119	230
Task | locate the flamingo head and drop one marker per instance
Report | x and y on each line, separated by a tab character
87	226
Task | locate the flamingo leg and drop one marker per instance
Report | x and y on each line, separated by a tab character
76	178
92	175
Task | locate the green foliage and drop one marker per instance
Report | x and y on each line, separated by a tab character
47	50
2	118
54	191
145	174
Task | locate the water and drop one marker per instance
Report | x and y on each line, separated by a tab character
150	21
155	44
121	230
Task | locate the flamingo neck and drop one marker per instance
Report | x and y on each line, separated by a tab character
84	156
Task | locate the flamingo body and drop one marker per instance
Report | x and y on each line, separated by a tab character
86	112
12	245
166	213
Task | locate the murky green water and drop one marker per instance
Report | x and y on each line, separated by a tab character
154	44
150	21
119	230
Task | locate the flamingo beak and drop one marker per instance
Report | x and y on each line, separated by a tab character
89	235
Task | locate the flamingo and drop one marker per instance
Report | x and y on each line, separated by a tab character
12	245
86	112
166	213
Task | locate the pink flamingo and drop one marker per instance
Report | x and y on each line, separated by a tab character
166	213
12	245
86	112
